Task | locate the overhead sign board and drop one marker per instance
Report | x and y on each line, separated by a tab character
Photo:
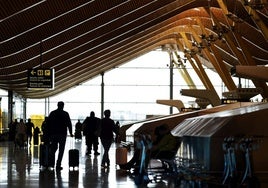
40	78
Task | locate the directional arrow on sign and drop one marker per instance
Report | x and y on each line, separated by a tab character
33	72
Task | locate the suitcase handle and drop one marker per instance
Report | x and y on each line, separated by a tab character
72	143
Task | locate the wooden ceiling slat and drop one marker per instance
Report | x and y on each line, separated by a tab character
81	38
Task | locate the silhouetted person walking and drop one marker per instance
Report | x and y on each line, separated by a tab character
36	135
91	130
29	130
78	130
44	128
106	135
12	130
21	136
58	122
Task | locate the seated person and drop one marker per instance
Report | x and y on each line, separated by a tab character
163	148
166	146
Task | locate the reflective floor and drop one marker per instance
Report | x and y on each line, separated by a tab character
20	168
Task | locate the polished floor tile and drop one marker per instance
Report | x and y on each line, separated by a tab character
20	168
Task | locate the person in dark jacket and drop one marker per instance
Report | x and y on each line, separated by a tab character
44	128
78	130
29	130
91	130
36	135
58	123
106	135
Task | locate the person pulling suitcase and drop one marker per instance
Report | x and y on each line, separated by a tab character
58	123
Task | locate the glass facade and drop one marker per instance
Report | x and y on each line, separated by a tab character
130	91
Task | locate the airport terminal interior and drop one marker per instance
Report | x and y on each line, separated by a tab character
219	147
50	46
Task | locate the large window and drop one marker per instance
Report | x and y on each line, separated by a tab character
131	90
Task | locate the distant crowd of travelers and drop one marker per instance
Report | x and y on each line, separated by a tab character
22	132
56	126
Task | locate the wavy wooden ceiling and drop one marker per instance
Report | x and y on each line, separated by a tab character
82	38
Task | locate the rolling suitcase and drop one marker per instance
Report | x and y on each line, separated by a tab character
121	155
73	158
43	155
